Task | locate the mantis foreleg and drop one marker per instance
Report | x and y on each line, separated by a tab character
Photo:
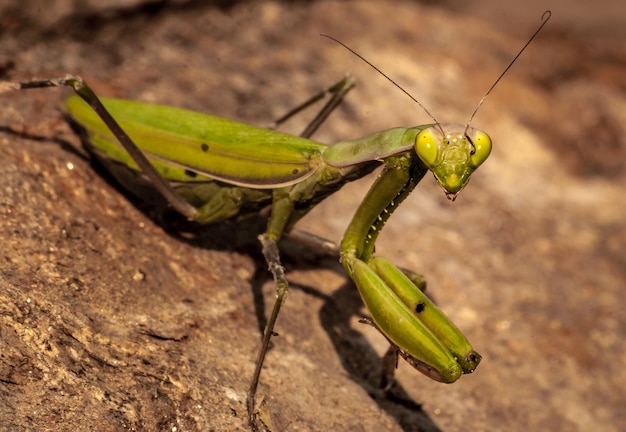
399	309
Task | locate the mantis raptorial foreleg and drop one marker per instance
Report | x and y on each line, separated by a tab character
382	285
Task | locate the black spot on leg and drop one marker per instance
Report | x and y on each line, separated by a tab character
419	308
191	174
204	147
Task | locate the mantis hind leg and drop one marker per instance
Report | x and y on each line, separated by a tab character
338	91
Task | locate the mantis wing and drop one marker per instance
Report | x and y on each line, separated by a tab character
190	146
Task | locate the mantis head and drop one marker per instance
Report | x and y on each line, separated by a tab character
452	156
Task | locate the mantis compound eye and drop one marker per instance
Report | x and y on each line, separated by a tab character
482	147
427	145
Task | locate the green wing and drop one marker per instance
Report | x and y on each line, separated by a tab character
179	141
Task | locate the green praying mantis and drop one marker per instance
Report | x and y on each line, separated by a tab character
211	169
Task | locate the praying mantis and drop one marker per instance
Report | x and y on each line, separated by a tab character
211	169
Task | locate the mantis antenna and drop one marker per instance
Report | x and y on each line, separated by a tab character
545	18
388	79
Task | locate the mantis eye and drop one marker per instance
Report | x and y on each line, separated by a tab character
427	146
482	147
